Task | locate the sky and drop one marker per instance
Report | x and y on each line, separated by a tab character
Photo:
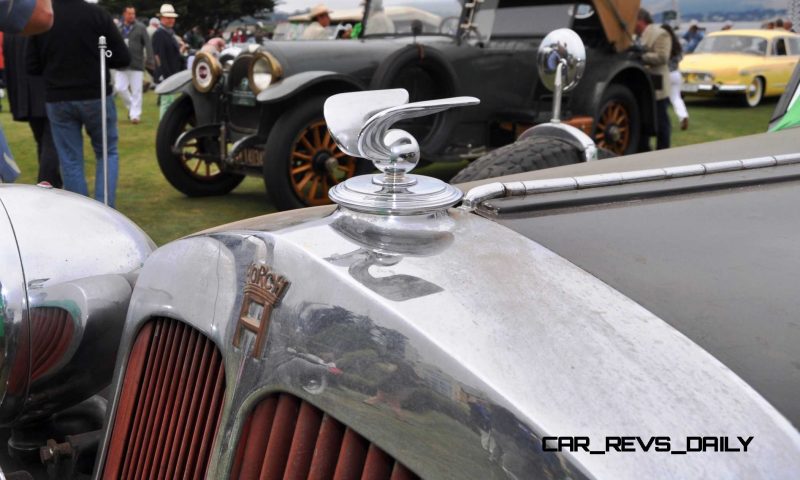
655	5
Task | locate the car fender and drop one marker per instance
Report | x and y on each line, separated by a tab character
588	94
295	84
174	83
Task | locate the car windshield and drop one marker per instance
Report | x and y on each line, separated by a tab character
733	44
520	19
396	17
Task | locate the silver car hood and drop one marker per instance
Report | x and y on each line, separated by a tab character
513	343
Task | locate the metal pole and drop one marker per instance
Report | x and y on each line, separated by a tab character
558	90
104	53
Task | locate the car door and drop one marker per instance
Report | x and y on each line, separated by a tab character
781	61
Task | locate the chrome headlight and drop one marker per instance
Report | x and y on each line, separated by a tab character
264	71
206	71
65	283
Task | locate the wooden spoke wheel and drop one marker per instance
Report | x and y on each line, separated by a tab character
317	164
195	169
618	126
614	128
195	158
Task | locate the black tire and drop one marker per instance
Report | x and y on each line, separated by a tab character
532	153
287	176
618	125
193	177
427	75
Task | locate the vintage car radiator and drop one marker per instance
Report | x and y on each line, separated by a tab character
170	405
285	437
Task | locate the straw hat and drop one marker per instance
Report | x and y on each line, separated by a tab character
167	11
318	10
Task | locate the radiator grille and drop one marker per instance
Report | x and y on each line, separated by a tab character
51	332
287	438
169	409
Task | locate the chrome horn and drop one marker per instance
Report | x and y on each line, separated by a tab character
360	123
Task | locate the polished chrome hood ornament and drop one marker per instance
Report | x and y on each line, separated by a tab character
360	123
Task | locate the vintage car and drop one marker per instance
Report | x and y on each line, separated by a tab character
262	113
630	318
751	64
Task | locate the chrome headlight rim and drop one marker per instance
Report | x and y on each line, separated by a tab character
262	63
205	81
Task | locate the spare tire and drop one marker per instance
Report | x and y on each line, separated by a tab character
427	75
525	155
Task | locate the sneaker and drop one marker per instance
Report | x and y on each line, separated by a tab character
136	121
685	123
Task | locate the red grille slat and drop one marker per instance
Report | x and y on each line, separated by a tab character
255	443
280	438
401	473
351	456
51	331
191	414
378	465
132	456
127	400
305	438
178	442
285	437
156	408
190	343
170	404
326	451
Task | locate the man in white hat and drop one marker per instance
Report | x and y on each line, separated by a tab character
166	48
321	19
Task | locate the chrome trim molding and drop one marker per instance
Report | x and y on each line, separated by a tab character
476	196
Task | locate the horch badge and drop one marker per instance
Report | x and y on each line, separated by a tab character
262	292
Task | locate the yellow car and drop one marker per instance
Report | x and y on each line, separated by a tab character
751	63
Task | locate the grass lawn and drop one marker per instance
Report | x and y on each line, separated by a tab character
165	214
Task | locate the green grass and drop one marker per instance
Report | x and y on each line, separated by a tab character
165	214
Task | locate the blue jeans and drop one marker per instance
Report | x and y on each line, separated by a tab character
66	120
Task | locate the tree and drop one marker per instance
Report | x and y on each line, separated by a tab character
205	13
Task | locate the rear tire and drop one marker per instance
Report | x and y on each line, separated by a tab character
532	153
754	93
618	124
191	176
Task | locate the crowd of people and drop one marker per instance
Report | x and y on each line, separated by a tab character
662	50
53	83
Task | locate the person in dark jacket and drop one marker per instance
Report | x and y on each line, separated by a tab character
128	81
68	58
26	98
28	17
166	48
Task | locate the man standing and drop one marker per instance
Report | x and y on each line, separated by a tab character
657	44
67	56
693	36
166	48
128	81
28	17
26	98
320	17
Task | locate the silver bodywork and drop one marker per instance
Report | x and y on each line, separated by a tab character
61	250
513	331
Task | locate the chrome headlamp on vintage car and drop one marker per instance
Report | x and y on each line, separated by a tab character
206	72
264	71
69	266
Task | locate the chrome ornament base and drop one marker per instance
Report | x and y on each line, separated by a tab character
360	123
368	193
